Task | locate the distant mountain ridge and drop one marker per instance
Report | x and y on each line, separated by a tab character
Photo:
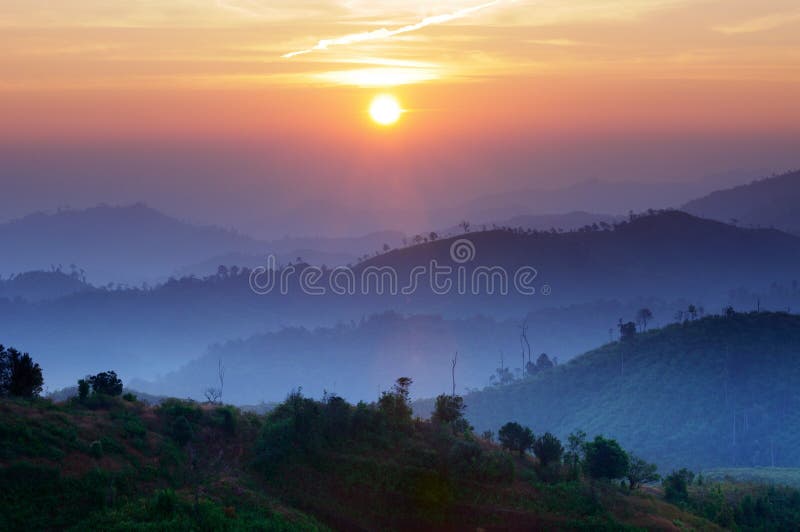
136	243
769	202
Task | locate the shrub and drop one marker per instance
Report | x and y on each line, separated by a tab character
548	449
515	437
181	430
96	449
395	405
20	376
464	455
225	416
640	471
83	390
495	466
172	409
106	383
164	503
605	459
676	486
129	397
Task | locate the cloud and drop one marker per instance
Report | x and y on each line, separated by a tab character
764	23
385	33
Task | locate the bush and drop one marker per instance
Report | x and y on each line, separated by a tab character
225	417
164	503
106	383
495	466
171	409
548	449
640	471
83	390
464	455
20	376
96	449
515	437
129	397
605	459
395	405
448	409
676	486
181	430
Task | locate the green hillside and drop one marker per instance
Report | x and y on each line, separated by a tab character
720	391
113	464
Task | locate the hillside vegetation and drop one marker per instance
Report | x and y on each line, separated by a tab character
714	392
115	464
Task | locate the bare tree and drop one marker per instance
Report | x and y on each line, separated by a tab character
526	346
214	395
453	363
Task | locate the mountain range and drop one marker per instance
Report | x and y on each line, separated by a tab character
769	202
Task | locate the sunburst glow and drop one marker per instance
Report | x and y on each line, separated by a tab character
385	110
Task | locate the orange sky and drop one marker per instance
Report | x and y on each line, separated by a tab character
147	67
513	88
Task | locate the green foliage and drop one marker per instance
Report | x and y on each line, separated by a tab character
83	390
676	485
96	449
515	437
106	383
605	459
181	430
171	409
548	449
129	397
395	405
674	395
449	410
20	376
640	472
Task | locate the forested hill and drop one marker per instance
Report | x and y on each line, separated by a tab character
770	202
718	391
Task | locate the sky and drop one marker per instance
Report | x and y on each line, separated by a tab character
224	110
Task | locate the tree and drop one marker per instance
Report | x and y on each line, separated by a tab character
464	225
449	410
640	472
643	316
106	383
576	444
676	485
213	394
548	449
20	376
395	405
605	459
83	389
544	363
692	311
515	437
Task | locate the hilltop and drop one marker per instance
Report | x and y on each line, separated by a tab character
769	202
719	391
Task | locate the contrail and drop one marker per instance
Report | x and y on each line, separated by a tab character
384	33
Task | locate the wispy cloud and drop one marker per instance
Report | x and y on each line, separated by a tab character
764	23
385	33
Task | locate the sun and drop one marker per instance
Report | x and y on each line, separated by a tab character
385	110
